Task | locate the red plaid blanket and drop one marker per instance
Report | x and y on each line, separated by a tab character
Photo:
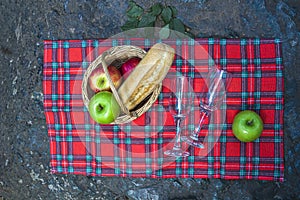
80	146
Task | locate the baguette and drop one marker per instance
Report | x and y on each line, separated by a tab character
150	72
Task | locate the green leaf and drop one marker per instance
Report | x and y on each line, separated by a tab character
177	25
164	33
132	19
156	9
129	25
135	11
166	14
159	22
174	10
147	20
132	3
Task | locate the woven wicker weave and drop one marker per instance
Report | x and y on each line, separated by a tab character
118	55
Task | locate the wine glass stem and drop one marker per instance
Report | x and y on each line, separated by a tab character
195	134
177	144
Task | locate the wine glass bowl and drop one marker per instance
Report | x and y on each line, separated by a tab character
178	107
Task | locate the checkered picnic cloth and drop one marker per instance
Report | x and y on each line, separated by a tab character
80	146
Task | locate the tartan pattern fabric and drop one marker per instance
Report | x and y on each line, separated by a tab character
80	146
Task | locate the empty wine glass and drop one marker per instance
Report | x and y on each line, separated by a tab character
209	102
180	101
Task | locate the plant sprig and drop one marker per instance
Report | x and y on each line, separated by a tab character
158	15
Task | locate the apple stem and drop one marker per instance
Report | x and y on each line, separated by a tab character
100	108
250	123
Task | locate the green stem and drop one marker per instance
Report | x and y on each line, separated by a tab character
250	123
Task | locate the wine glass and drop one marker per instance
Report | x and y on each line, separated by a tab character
180	101
217	79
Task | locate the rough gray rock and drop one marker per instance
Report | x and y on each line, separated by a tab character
24	147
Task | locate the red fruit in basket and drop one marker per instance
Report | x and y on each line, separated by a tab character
99	82
129	65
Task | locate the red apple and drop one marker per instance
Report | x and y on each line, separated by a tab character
129	65
99	82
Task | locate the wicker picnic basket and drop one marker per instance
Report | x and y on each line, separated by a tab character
117	56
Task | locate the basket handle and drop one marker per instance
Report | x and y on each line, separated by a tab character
112	86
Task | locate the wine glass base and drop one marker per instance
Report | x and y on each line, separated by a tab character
192	142
177	153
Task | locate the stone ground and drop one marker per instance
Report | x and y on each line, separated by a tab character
24	147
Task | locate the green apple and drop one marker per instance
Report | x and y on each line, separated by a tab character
104	108
247	126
